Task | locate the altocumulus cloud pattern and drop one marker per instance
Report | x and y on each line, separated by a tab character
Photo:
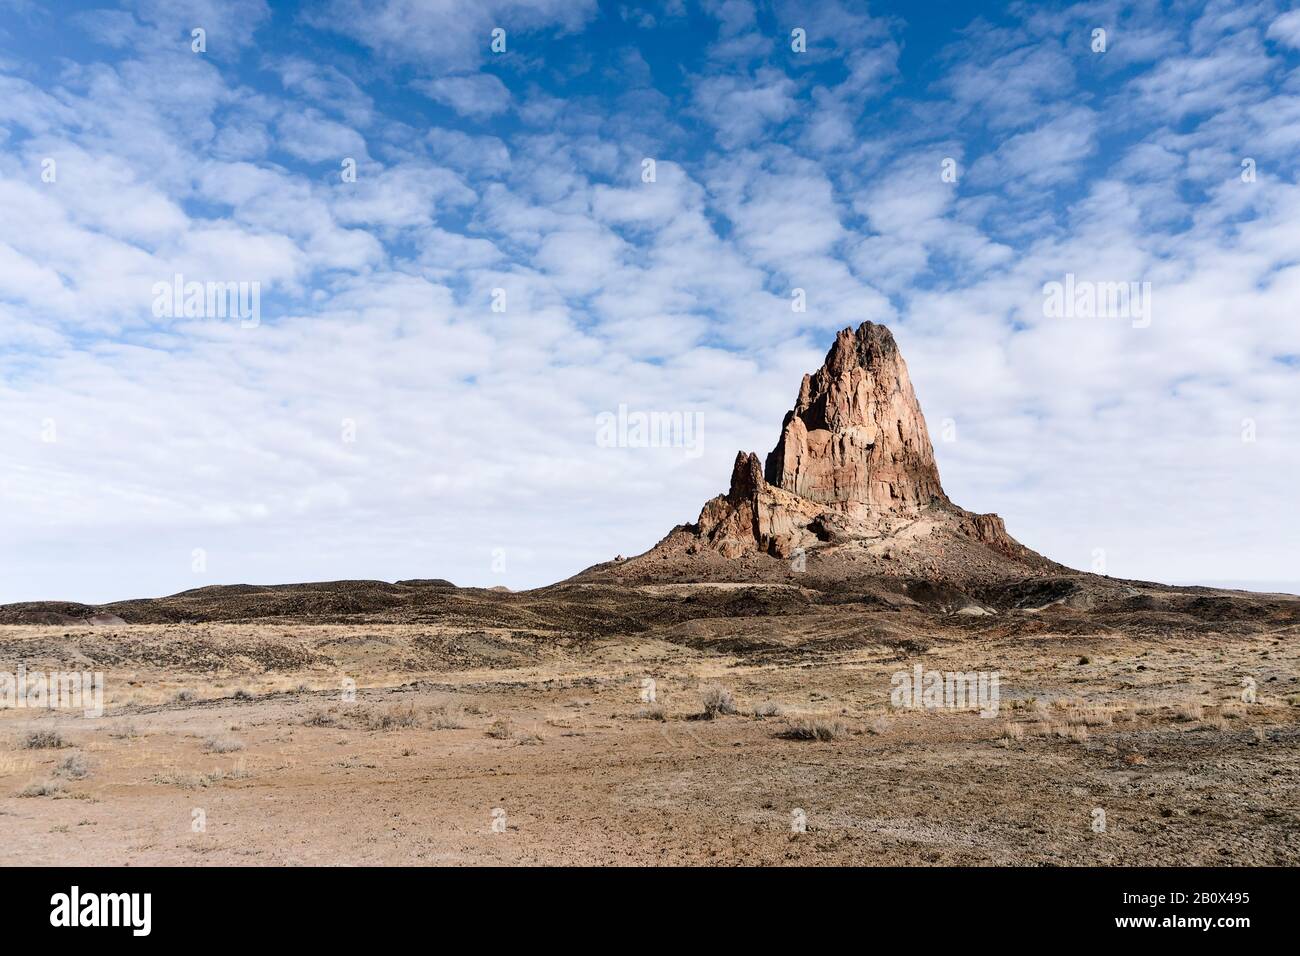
342	289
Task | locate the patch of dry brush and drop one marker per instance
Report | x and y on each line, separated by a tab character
815	728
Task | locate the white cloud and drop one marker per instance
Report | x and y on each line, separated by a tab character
1044	156
410	195
475	428
230	24
310	136
1217	80
443	35
1286	29
742	108
1013	89
326	86
485	155
477	95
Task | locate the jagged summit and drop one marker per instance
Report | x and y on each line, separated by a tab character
856	435
851	489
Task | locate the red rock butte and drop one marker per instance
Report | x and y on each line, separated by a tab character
851	488
856	436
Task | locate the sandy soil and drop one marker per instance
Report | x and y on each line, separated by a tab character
243	727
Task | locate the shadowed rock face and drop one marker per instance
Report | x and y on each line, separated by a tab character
754	513
856	434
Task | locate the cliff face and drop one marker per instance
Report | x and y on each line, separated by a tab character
856	435
754	514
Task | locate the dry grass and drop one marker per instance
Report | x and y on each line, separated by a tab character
393	717
1077	732
222	745
768	708
446	721
592	711
44	788
193	780
1188	712
73	766
443	715
1089	716
880	726
815	728
446	715
717	701
502	729
43	740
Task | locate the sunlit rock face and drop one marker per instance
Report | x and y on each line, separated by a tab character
856	435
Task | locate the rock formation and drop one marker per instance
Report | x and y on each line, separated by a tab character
852	482
856	436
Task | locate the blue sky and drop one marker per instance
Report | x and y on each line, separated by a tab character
381	420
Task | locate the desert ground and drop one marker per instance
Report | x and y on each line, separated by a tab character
237	743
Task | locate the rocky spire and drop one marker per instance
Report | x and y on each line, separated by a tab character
856	436
851	491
